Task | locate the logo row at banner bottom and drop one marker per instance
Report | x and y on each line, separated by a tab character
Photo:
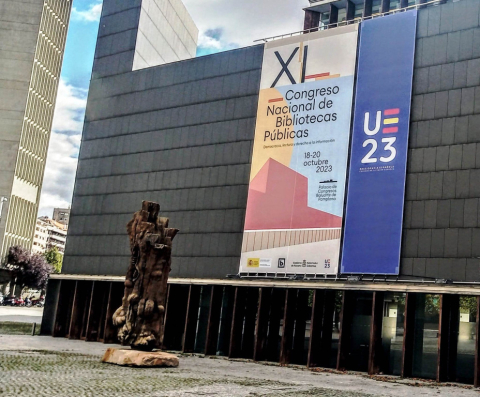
297	190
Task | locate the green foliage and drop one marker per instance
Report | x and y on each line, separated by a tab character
54	258
468	304
432	305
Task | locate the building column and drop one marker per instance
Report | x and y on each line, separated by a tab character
333	14
367	8
403	3
350	10
408	335
311	21
385	7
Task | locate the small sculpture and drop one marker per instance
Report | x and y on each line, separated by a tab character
140	318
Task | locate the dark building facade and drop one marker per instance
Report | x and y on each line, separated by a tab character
181	134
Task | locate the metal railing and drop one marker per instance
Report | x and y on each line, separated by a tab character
352	21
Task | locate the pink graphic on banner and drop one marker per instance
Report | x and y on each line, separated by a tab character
278	199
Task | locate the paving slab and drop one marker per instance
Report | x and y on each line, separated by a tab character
45	366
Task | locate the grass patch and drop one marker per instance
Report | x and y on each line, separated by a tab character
12	328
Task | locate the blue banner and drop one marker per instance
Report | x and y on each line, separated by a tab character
376	187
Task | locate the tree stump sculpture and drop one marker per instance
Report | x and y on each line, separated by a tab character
140	318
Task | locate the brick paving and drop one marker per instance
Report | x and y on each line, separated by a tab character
44	366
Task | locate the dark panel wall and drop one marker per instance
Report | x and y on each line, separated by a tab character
117	36
181	134
442	223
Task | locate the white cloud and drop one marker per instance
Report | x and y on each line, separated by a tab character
246	21
209	42
63	150
70	107
91	14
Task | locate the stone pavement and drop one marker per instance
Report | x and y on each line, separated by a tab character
45	366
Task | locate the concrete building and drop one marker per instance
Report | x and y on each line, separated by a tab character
49	233
61	215
32	42
181	134
40	237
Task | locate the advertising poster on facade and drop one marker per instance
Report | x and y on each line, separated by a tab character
376	186
297	183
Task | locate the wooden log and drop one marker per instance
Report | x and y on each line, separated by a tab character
189	333
376	321
261	331
408	335
140	318
213	320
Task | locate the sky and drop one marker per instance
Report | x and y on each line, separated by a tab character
222	24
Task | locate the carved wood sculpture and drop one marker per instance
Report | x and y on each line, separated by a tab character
140	318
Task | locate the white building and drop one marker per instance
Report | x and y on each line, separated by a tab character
49	233
61	215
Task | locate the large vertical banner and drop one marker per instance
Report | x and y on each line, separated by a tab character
376	187
297	184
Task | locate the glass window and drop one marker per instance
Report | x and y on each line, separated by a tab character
394	4
202	320
392	332
425	349
376	4
358	11
324	19
466	340
359	343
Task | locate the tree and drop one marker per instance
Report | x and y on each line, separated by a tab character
54	258
28	270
